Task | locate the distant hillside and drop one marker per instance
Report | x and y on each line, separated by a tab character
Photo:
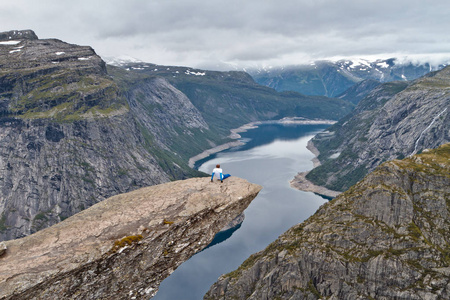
228	100
327	78
394	120
359	90
388	237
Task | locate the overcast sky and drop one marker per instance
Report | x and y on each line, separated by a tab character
212	33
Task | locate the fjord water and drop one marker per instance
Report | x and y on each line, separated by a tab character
272	155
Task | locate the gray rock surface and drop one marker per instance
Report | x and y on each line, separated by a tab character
123	247
388	237
395	120
360	90
18	35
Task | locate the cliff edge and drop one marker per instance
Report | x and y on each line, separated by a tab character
124	246
387	237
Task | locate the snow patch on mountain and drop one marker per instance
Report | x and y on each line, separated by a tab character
188	72
7	43
121	60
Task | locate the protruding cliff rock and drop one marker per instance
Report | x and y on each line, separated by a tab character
123	247
387	237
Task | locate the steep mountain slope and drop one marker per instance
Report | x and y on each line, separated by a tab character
228	100
388	237
395	120
69	138
327	78
358	91
166	115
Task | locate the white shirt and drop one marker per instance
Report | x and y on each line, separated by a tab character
217	172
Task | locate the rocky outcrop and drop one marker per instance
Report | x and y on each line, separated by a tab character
2	248
123	247
14	35
50	78
301	183
388	237
394	120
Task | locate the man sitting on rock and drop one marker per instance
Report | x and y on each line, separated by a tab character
218	173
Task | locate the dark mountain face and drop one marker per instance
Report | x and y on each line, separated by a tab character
358	91
394	120
388	237
14	35
331	79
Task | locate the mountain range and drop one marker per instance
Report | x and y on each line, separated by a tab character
332	78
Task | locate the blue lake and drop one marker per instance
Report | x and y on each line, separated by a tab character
271	157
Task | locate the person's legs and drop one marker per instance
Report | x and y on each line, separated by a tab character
226	176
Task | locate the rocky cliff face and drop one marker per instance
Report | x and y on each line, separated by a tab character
359	91
388	237
123	247
165	113
71	136
395	120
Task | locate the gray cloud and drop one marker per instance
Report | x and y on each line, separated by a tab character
208	32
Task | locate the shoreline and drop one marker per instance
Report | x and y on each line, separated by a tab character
300	182
214	150
252	125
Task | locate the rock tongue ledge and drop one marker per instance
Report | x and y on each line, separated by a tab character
123	246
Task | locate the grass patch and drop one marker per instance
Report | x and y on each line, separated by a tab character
414	232
3	226
126	241
313	289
